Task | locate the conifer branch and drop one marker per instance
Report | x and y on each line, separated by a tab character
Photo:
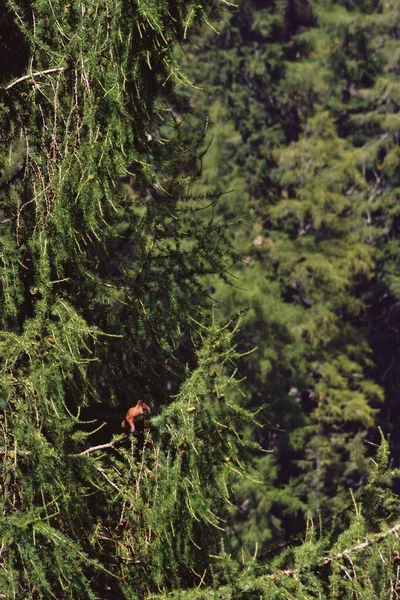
345	553
377	538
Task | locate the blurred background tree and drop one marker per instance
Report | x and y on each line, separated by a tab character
300	100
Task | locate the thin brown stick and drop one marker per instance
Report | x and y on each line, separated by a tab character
33	75
83	453
95	448
102	471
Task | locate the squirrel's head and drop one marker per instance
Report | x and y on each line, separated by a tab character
144	407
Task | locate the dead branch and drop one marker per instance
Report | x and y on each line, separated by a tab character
95	448
33	75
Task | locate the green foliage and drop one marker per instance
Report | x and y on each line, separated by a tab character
102	257
302	102
354	563
109	255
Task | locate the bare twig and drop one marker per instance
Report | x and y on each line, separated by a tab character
33	75
95	448
102	471
83	453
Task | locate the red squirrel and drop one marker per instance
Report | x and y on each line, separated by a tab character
135	413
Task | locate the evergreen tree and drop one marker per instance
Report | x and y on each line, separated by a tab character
109	253
299	104
102	302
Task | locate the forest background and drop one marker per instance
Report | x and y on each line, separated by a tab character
199	207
